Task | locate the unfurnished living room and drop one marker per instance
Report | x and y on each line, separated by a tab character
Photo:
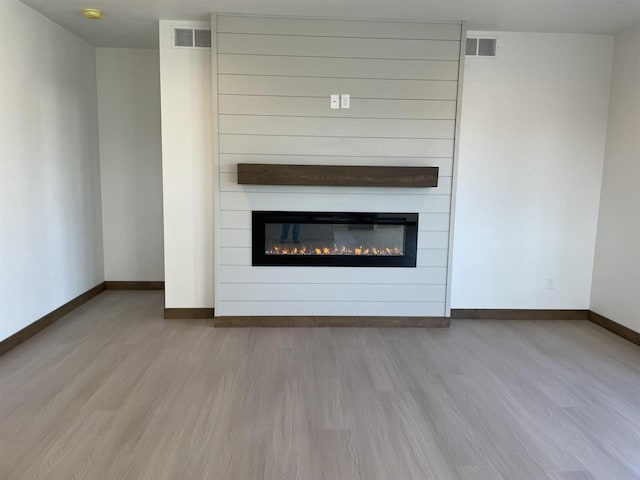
320	240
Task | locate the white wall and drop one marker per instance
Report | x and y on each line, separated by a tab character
187	172
50	219
616	278
275	76
130	163
532	136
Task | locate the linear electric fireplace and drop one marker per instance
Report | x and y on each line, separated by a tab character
333	239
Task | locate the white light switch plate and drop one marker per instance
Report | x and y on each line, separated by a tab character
345	100
335	102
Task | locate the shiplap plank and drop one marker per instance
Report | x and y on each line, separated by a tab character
337	47
235	256
336	275
432	258
319	107
337	67
235	219
257	292
229	183
433	222
433	240
323	87
335	202
427	222
404	309
338	28
229	162
241	256
290	145
242	238
336	127
235	238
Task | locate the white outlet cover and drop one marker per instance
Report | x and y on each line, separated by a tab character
345	100
335	102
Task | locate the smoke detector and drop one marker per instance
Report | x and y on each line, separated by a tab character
92	13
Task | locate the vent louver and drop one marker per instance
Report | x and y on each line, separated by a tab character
203	38
481	47
472	46
192	37
183	37
486	47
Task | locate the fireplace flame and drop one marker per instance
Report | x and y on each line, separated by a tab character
334	250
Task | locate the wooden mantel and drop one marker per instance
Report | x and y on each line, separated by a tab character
337	175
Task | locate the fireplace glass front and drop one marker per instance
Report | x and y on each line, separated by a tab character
335	239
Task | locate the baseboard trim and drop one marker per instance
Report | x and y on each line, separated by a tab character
188	313
133	285
30	330
345	321
615	328
517	314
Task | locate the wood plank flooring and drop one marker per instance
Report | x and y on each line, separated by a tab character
114	391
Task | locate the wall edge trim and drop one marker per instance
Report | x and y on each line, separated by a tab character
133	285
615	327
188	313
517	314
49	319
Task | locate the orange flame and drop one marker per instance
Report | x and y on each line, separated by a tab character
334	250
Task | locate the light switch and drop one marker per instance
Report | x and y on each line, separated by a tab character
335	102
345	100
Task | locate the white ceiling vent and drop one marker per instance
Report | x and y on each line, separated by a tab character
192	37
481	47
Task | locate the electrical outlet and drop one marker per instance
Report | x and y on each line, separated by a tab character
335	102
345	100
551	283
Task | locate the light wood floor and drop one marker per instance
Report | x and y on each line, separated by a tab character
113	391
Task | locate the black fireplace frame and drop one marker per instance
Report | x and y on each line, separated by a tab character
408	220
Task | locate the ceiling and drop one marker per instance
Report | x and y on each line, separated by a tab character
134	23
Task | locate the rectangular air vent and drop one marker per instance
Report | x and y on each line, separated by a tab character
192	38
202	38
486	47
183	37
481	47
472	46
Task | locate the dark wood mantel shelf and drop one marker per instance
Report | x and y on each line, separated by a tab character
337	175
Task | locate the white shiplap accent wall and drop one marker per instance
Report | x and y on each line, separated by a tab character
275	76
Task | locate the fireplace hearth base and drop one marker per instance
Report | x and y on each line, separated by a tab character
329	321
